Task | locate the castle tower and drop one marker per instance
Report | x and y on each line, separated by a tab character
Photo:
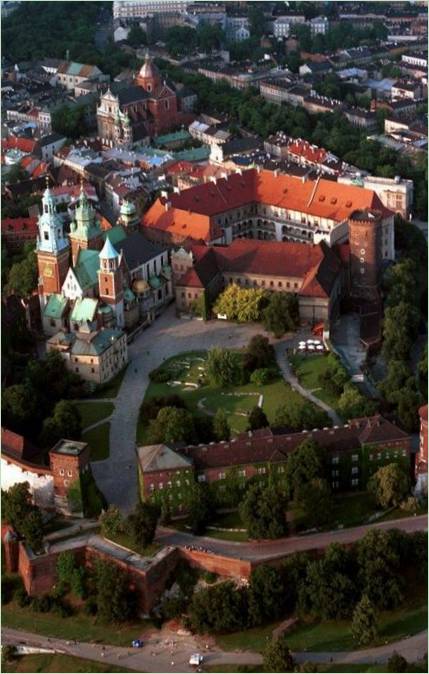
52	249
69	460
365	254
85	230
128	216
110	281
149	76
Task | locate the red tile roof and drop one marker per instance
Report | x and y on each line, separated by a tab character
16	225
181	223
17	142
321	197
302	148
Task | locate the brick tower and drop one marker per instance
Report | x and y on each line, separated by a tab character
52	249
69	460
365	254
110	281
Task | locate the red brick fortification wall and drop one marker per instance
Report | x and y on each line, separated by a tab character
223	566
39	574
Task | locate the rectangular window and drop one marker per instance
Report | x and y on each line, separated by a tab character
371	457
335	473
242	473
221	476
178	483
335	485
281	469
201	478
161	485
355	482
69	473
335	459
152	487
262	470
169	484
61	471
355	457
355	470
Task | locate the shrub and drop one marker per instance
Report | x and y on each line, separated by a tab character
91	607
42	604
159	376
262	376
22	597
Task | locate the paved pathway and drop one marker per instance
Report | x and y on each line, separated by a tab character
166	337
157	657
280	348
260	550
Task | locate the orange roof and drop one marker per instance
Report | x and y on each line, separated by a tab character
176	221
17	142
303	148
321	197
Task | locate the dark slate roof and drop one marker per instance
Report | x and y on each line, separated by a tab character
52	138
131	95
137	250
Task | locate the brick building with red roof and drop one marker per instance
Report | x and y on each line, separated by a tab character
264	205
16	231
354	452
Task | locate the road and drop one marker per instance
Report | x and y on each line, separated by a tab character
166	337
157	656
264	550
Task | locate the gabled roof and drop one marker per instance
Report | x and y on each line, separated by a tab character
160	457
84	309
137	250
56	306
115	234
86	268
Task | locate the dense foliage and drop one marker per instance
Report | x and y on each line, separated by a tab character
23	516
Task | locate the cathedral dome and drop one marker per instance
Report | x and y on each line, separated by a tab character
149	71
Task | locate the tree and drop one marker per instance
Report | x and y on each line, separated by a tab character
262	511
389	485
364	622
315	500
172	425
200	509
115	602
378	568
22	277
25	517
305	464
65	422
277	656
136	36
219	608
257	419
224	367
258	354
397	663
66	564
398	376
221	427
294	573
399	331
265	595
282	313
297	415
328	590
16	173
141	524
241	304
112	522
353	404
69	121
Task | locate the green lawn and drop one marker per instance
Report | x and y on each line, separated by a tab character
308	368
47	662
350	510
321	667
98	440
237	407
93	412
79	626
127	542
334	635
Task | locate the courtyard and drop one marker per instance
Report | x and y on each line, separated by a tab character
187	378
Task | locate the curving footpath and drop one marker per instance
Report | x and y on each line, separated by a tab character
265	550
155	657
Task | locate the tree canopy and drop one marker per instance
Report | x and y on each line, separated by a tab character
389	485
263	512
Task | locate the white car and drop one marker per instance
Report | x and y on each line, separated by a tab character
196	659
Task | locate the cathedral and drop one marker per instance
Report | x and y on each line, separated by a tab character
94	284
149	107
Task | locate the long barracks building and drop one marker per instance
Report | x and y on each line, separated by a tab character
354	452
264	205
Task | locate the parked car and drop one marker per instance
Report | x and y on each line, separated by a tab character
196	659
137	643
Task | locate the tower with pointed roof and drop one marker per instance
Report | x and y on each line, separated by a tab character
52	249
149	77
85	230
110	281
161	100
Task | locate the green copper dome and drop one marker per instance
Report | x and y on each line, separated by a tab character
128	208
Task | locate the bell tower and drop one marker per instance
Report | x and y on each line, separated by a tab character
85	230
128	216
52	249
110	281
149	76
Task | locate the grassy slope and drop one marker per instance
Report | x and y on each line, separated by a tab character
79	626
59	663
93	412
308	369
98	439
